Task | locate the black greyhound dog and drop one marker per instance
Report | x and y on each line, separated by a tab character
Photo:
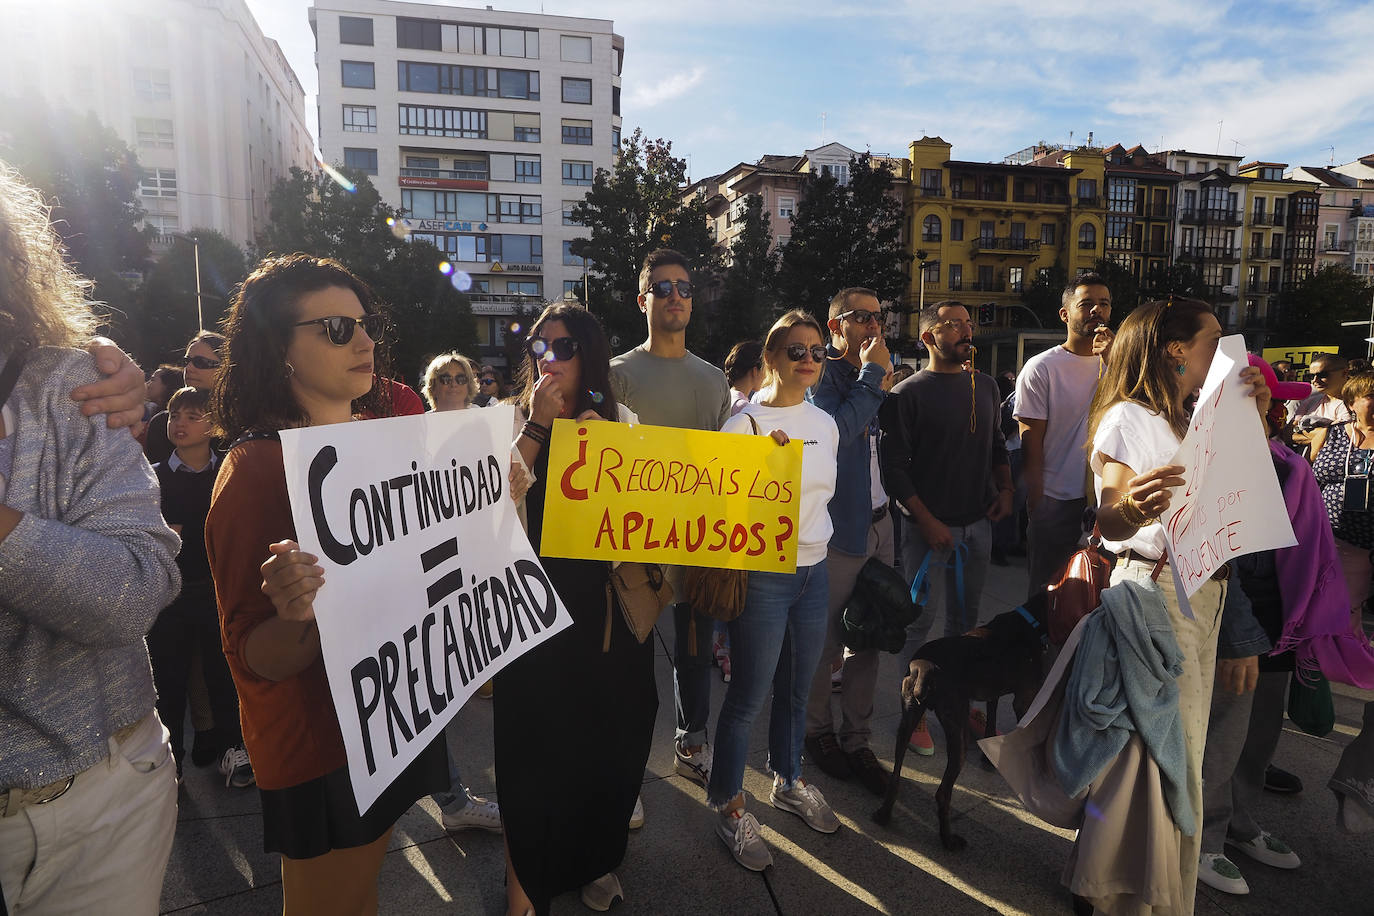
1006	655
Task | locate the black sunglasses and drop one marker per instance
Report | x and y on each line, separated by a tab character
1323	375
446	379
864	316
796	352
202	362
562	348
487	380
340	327
664	288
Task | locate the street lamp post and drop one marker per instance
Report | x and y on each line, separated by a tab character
195	251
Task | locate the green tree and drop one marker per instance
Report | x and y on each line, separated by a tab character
315	214
748	300
631	209
1125	289
1045	295
167	298
90	178
844	235
1313	310
1180	280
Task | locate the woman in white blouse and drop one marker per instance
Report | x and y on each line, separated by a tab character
1160	357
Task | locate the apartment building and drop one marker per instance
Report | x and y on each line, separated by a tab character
483	126
1142	204
994	226
208	103
1345	219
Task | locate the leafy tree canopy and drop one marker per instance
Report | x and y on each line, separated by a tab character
844	235
167	300
631	209
748	300
1312	312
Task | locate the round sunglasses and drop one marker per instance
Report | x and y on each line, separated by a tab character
664	288
340	327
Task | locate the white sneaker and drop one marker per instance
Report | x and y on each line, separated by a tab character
696	767
1220	873
477	814
808	803
740	833
600	894
237	770
1268	849
637	815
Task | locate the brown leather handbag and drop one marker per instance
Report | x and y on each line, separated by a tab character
643	593
1079	589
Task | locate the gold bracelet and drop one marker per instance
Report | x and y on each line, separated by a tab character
1131	513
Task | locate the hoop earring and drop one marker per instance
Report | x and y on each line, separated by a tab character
290	370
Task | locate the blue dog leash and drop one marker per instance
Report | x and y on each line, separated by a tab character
920	585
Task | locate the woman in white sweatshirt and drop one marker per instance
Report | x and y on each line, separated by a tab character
777	642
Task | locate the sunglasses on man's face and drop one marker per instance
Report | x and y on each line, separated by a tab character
797	352
1323	375
664	288
202	362
445	379
487	380
863	316
561	348
340	327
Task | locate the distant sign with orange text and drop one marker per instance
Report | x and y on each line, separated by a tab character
676	496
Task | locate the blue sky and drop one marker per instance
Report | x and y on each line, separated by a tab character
728	81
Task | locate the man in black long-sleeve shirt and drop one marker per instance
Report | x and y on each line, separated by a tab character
944	459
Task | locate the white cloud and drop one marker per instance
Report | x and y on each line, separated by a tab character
649	94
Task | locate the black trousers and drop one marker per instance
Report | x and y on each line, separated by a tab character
192	620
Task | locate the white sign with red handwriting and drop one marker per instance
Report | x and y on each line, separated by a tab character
1230	503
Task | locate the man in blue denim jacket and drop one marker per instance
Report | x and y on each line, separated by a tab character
851	391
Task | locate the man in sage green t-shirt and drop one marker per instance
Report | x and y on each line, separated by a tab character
668	386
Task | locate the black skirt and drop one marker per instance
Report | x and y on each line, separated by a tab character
315	817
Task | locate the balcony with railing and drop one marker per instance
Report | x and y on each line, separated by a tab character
1220	293
932	190
1013	245
454	174
1338	246
1198	215
1259	254
988	286
1159	211
1261	219
966	193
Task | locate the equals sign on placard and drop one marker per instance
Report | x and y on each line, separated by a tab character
449	582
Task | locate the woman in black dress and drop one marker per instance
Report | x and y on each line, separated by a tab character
570	831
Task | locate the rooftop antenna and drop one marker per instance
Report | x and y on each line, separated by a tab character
1235	149
1332	160
823	123
1219	123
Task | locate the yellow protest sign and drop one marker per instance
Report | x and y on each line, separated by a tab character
678	496
1301	356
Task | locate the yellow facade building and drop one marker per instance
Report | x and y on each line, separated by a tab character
985	230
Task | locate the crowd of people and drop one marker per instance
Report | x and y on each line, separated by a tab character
198	603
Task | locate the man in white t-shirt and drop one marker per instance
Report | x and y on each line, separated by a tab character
1053	393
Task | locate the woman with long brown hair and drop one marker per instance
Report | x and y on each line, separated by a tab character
573	691
303	349
1161	355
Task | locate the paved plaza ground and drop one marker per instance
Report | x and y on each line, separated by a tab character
676	865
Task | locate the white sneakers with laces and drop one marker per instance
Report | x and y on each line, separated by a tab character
740	833
237	769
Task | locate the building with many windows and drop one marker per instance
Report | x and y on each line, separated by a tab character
988	229
208	103
1141	203
1345	219
483	126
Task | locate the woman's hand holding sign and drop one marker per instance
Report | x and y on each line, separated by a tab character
291	578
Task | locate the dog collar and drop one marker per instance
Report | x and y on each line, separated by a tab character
1035	624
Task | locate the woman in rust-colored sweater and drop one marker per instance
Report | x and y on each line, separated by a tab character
302	351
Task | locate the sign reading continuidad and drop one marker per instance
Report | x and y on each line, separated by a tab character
677	496
1230	503
431	586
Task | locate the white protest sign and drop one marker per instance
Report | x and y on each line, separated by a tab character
1230	503
431	586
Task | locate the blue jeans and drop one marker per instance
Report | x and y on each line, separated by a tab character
777	642
691	675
